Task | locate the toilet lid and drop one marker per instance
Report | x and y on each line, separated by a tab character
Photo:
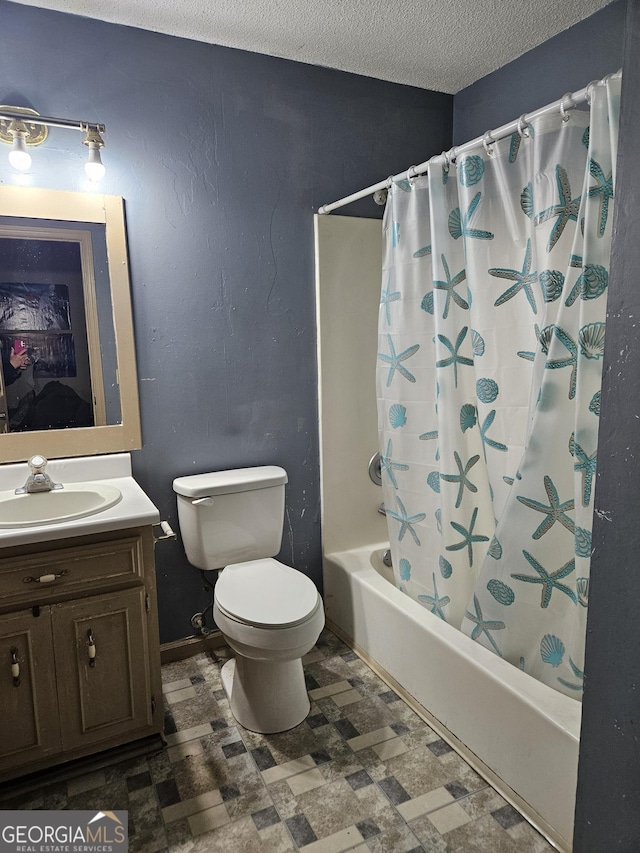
265	593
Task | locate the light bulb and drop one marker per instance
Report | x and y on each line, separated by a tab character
19	157
94	167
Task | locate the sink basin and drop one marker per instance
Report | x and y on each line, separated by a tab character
77	500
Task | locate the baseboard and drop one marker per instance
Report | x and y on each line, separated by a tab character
182	649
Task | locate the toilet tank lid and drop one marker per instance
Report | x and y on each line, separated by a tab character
228	482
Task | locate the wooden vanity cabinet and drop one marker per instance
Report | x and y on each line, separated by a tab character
79	649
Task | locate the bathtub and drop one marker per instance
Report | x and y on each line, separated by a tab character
521	735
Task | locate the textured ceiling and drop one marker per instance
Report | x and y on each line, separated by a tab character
443	45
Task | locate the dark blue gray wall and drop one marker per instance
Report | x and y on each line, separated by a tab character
587	51
608	804
608	795
222	157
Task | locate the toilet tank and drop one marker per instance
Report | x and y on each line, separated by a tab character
231	516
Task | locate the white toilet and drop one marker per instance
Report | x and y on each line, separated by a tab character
270	614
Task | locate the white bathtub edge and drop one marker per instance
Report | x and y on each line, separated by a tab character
526	733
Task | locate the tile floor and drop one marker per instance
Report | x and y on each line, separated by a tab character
363	772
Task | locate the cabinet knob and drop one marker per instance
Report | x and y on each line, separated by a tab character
15	667
91	645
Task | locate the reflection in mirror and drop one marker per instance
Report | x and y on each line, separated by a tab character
53	316
64	317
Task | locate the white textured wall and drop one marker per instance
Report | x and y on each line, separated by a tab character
348	270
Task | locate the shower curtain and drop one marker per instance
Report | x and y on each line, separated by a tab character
491	336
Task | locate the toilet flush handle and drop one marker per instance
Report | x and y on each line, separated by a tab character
202	502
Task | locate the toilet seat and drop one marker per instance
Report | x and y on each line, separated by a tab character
266	594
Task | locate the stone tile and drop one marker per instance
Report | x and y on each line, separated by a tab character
198	708
87	782
449	818
398	839
329	671
394	790
184	750
253	798
336	843
348	697
390	748
330	690
303	782
150	841
388	697
283	771
185	808
349	656
507	816
526	838
172	686
232	750
229	792
265	817
456	790
263	758
476	836
425	803
178	834
346	729
140	780
336	806
368	828
160	766
291	744
317	720
313	657
275	839
359	780
300	830
439	747
144	812
370	738
167	793
209	819
419	771
188	734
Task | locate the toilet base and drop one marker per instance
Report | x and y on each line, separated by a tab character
266	696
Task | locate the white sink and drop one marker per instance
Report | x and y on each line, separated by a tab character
76	500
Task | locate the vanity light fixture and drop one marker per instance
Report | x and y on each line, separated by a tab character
22	127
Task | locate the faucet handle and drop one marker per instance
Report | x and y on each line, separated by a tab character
37	463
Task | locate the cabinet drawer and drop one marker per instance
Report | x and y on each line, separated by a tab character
83	569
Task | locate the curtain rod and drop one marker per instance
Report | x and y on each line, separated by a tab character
566	102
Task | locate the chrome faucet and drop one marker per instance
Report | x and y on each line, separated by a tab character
38	481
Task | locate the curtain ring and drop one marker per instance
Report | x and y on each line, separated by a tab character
447	161
590	87
487	142
563	112
389	182
522	125
409	176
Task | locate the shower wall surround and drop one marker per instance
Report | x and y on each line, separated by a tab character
222	156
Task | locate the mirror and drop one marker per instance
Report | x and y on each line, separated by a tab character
68	385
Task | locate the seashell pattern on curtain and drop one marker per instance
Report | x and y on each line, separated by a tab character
491	338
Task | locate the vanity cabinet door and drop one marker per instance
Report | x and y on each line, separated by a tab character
29	728
103	687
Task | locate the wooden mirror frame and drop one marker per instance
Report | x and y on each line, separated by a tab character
64	206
